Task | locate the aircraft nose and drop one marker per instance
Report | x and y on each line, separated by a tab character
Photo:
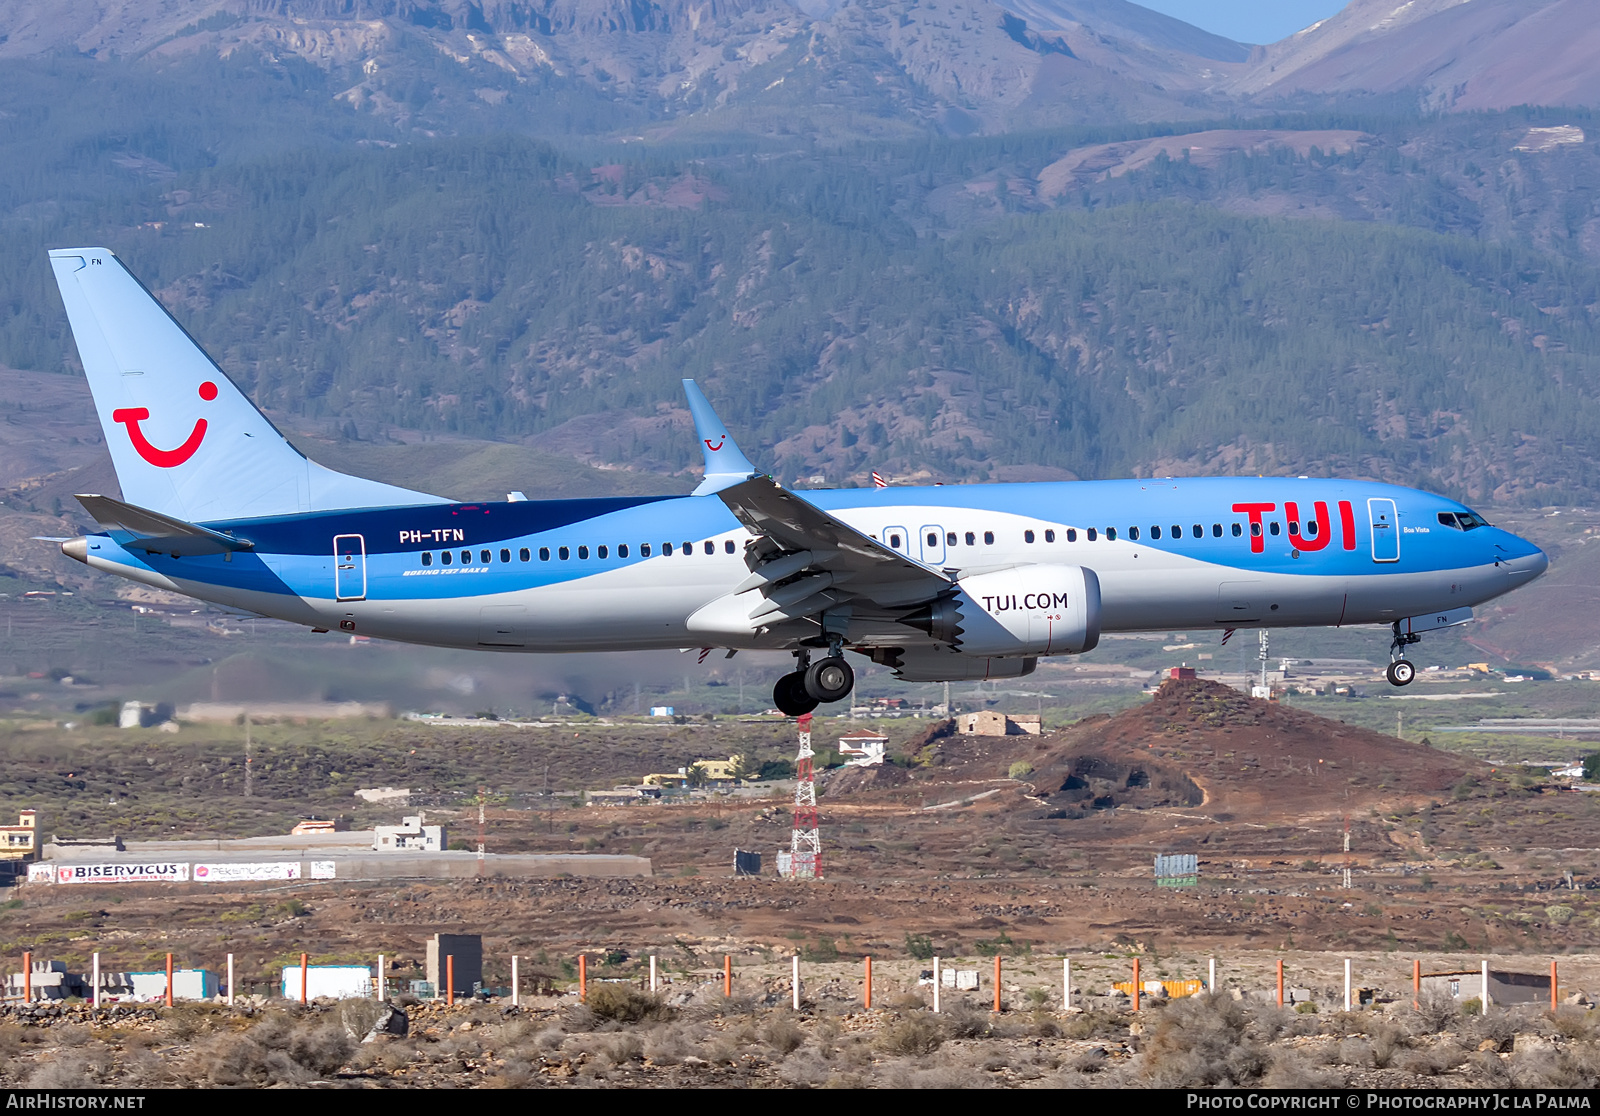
1528	565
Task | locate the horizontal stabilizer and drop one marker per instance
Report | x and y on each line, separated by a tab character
136	528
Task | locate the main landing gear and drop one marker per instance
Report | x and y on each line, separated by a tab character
1401	671
828	679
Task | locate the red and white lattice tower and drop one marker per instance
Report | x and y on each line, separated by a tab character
805	844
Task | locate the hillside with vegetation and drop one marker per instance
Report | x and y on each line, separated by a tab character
374	242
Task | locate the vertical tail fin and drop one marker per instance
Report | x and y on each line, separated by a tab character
184	440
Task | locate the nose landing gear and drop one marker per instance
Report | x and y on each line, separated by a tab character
1401	670
828	679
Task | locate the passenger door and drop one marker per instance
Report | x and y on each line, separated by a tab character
1385	529
349	568
897	538
932	541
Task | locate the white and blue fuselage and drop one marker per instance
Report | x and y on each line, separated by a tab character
628	573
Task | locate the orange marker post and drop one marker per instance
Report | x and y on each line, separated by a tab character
305	974
1280	982
1135	984
869	981
727	975
997	982
1553	1000
450	979
1416	984
583	978
27	976
169	980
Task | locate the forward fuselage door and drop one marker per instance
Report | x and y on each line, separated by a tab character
897	538
931	537
349	568
1385	529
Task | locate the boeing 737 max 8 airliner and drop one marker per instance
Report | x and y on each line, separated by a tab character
941	583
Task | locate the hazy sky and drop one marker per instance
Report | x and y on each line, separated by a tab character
1248	21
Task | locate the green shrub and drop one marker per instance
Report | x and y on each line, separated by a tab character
920	946
914	1035
1020	770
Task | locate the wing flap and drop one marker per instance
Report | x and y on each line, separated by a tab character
875	573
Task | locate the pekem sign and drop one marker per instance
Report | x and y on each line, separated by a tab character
237	873
122	873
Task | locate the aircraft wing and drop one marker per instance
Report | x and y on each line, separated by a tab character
812	559
136	528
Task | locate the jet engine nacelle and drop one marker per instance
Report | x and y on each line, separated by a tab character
941	664
1023	611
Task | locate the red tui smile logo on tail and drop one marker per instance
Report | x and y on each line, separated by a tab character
131	417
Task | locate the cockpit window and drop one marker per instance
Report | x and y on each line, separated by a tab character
1462	521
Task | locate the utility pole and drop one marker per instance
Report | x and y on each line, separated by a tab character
805	842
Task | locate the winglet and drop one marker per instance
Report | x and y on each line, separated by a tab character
725	463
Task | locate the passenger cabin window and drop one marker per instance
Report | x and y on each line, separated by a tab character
933	538
622	550
1111	534
644	550
1027	536
1255	530
1049	536
727	545
1133	533
711	547
1237	530
1177	530
1072	534
544	554
688	550
1091	534
583	552
444	557
894	541
972	540
523	554
505	555
988	538
950	538
483	557
603	551
1274	528
427	558
1155	532
1312	527
563	554
666	548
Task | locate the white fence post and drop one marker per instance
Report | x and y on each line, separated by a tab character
1066	984
1347	1006
230	976
516	985
652	972
380	987
796	982
936	985
1211	976
96	979
1485	1001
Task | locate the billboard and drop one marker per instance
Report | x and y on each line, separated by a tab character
41	873
122	873
257	870
324	869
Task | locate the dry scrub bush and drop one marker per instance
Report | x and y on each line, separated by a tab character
669	1043
360	1016
1430	1061
1435	1013
1292	1069
619	1003
915	1034
783	1034
907	1075
1204	1040
279	1050
963	1021
1096	1025
805	1068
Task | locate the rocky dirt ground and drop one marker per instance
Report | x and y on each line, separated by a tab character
624	1037
1032	848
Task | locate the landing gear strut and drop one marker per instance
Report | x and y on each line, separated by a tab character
828	679
1401	671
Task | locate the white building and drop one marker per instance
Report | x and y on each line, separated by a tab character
410	835
334	982
863	749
